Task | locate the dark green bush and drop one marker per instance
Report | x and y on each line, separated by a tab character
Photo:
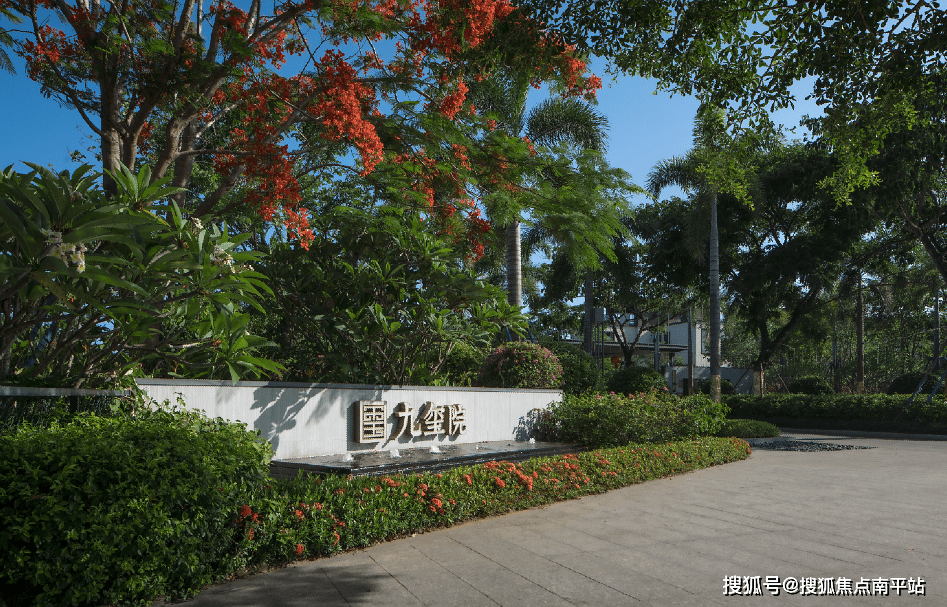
121	510
609	420
726	387
748	428
635	379
812	384
852	407
462	364
908	383
521	364
579	373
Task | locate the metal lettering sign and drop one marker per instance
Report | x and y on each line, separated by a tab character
428	420
456	420
372	420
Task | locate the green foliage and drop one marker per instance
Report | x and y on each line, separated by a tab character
812	384
635	379
750	57
851	407
597	420
748	428
376	299
463	364
726	387
521	364
342	514
907	383
165	527
709	415
103	288
579	372
41	411
119	510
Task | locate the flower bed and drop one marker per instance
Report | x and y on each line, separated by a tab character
307	517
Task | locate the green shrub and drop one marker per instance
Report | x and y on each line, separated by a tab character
748	428
726	387
521	364
812	384
850	407
579	373
709	416
121	509
306	517
907	383
635	379
462	364
597	420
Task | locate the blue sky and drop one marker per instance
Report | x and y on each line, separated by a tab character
644	127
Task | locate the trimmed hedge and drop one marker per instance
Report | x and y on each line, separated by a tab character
120	510
597	420
878	412
748	428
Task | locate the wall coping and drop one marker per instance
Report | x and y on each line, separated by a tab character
275	384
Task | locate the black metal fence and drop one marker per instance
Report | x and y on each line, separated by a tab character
40	406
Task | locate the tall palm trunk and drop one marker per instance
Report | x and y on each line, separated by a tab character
589	312
514	267
860	339
714	303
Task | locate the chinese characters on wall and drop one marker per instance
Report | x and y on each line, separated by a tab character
428	420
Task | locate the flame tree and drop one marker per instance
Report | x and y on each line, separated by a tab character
185	81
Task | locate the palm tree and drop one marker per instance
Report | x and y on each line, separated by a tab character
554	121
684	172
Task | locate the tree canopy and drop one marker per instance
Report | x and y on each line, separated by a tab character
868	61
180	81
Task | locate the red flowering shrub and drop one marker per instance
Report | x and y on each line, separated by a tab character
521	365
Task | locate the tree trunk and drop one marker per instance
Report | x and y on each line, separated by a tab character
860	339
184	165
937	329
690	350
758	378
714	320
514	267
589	311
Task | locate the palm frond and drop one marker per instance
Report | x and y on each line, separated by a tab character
503	98
677	170
570	121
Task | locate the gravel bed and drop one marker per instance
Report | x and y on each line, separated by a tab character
799	445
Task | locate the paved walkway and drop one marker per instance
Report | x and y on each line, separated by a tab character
878	513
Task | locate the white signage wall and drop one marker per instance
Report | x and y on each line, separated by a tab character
306	420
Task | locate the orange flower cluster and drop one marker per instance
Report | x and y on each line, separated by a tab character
262	107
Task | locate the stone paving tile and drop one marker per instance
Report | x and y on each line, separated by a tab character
576	588
447	552
363	583
613	570
662	543
505	587
829	549
444	590
407	561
